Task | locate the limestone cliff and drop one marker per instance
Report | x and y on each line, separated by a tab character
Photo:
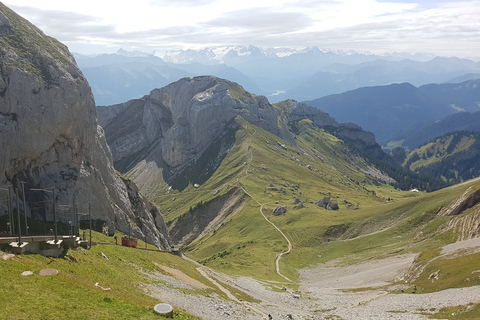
50	139
173	127
182	132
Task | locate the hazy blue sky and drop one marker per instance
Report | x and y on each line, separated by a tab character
447	28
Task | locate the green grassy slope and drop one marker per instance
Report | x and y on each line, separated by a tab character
387	222
73	294
453	156
272	173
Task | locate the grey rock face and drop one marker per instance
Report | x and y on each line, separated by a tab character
50	139
170	129
207	217
5	25
174	125
298	111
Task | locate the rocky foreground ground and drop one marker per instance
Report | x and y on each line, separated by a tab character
326	291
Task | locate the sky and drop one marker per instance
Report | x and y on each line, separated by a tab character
441	27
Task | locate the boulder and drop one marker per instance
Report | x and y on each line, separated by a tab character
324	202
328	204
332	206
48	272
279	210
298	205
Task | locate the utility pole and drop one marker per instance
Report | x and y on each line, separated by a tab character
24	207
19	225
10	210
75	212
54	215
90	218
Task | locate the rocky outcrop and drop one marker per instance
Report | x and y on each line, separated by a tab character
298	204
174	126
205	218
5	26
465	210
297	111
279	210
328	204
363	140
467	200
147	217
50	139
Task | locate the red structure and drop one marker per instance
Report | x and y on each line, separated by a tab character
129	242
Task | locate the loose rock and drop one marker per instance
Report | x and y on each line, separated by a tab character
328	204
279	210
48	272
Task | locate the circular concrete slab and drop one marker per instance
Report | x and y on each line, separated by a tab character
48	272
164	309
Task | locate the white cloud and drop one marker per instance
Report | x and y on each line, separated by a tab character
443	27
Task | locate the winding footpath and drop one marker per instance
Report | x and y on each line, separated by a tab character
279	256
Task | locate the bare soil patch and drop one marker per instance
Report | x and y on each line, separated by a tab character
183	277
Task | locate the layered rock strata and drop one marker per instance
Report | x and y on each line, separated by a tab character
190	123
174	126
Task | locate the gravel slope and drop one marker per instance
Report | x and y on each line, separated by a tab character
326	291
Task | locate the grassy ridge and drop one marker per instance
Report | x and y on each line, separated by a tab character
238	93
275	173
453	157
388	221
440	148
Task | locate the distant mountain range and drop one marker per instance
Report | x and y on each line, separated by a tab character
339	78
386	110
278	74
417	135
240	54
116	78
